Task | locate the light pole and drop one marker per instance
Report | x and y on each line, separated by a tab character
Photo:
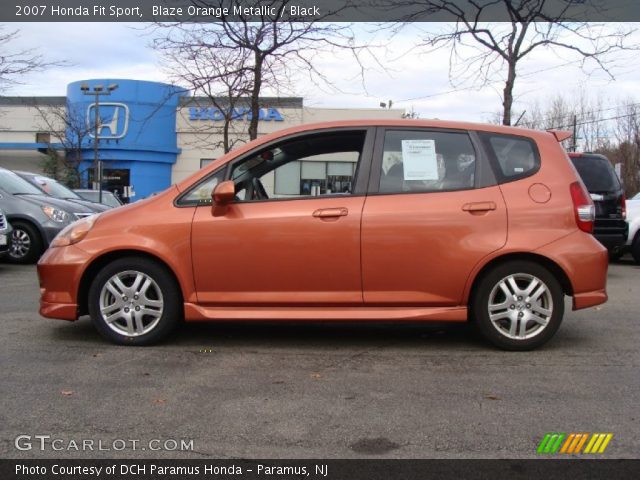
97	90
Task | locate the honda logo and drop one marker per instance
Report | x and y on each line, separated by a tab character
113	121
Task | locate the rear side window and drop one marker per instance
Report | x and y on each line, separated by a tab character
597	173
513	156
426	161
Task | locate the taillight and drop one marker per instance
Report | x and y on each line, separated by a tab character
583	207
624	207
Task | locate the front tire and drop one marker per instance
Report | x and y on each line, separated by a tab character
135	301
518	305
26	243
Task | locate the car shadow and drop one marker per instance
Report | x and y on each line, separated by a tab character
334	334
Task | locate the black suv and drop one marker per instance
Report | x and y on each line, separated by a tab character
598	175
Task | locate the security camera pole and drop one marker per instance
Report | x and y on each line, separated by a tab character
97	163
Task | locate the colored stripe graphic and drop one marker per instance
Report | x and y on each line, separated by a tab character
555	442
551	442
598	443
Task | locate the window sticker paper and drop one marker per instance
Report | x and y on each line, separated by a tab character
419	159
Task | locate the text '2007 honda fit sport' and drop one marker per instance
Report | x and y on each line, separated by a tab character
372	220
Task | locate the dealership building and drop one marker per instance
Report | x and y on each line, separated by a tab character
150	134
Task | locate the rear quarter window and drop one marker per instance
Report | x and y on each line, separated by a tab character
512	156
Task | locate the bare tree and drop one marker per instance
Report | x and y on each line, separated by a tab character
14	64
490	50
627	130
67	135
237	58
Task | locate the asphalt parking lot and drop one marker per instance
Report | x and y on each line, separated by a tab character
317	390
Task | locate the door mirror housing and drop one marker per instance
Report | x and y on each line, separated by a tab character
224	193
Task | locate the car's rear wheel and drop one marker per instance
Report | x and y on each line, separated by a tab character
26	243
134	301
518	305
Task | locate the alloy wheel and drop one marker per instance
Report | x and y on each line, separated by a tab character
520	306
20	243
131	303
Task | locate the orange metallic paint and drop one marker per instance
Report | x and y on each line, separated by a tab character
405	256
418	248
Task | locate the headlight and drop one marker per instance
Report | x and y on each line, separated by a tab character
55	214
75	232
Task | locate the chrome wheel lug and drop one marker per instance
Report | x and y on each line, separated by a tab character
125	298
126	309
137	309
519	298
528	305
135	297
512	307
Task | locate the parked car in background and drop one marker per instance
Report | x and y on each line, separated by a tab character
51	186
108	198
636	196
633	219
36	218
606	191
432	221
5	234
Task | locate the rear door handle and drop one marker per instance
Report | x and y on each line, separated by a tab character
331	212
479	206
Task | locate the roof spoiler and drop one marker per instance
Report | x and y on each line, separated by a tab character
561	135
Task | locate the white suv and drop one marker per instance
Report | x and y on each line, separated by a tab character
633	218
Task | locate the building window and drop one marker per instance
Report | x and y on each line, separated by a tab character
206	161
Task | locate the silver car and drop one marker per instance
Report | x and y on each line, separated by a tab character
36	218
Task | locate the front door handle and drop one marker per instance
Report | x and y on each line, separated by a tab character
479	206
331	212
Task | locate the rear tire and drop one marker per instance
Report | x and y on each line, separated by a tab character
26	243
635	248
518	305
135	301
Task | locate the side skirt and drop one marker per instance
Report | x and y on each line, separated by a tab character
194	313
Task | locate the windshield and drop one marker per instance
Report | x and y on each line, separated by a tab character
53	188
15	185
107	197
597	173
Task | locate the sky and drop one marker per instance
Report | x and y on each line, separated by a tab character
394	70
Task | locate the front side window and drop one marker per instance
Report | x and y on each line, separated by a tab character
201	193
426	161
308	166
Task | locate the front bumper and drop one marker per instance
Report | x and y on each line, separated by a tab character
60	272
5	242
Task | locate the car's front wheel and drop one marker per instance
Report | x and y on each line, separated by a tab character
518	305
134	301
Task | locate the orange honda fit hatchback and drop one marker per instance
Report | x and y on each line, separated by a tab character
360	220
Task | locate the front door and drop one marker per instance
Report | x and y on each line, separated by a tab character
280	243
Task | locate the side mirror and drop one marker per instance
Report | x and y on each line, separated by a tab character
224	193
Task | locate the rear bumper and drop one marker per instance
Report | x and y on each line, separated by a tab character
585	262
611	234
589	299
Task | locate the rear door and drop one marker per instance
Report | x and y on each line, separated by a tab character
432	214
